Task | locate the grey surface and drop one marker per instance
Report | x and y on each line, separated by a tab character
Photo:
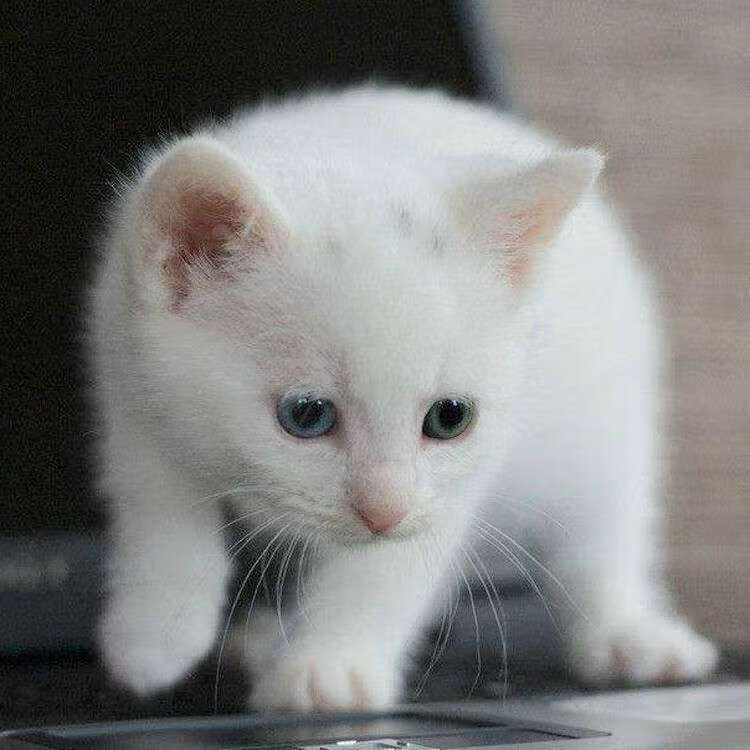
430	729
50	588
618	732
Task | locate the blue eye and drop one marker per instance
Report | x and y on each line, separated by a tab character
448	418
306	416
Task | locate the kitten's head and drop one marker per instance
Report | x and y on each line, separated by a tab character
341	348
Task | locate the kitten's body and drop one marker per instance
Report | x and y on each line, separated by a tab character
385	248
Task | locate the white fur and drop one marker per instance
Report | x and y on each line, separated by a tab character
383	279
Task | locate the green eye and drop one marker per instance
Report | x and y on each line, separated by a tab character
447	418
306	416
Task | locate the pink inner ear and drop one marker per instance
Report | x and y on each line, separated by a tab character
206	222
526	228
203	225
534	224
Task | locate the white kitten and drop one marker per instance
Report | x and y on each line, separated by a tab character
371	319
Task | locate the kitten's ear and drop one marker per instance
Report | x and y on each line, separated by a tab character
516	212
197	209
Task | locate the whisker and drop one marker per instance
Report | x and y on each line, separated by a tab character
300	572
450	607
235	549
209	569
537	562
221	494
499	546
312	552
476	632
254	488
501	631
423	680
241	518
280	581
502	498
231	615
262	581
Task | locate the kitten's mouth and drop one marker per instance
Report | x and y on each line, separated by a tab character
355	531
362	535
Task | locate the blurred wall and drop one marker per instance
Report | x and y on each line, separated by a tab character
664	88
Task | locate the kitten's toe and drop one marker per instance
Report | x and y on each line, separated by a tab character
316	677
643	650
148	654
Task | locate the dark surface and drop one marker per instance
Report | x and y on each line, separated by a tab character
70	688
84	87
53	688
447	730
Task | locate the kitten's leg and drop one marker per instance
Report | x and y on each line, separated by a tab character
630	632
363	609
166	578
610	558
588	453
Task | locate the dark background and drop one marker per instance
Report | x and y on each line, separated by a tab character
86	86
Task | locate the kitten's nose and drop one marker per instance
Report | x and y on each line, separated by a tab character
379	518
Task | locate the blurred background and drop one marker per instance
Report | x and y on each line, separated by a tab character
663	87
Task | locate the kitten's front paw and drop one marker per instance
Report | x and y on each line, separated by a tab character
643	650
146	649
327	677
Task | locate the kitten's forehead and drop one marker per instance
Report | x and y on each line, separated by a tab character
392	311
368	312
370	318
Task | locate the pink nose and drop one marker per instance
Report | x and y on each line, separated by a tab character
380	519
